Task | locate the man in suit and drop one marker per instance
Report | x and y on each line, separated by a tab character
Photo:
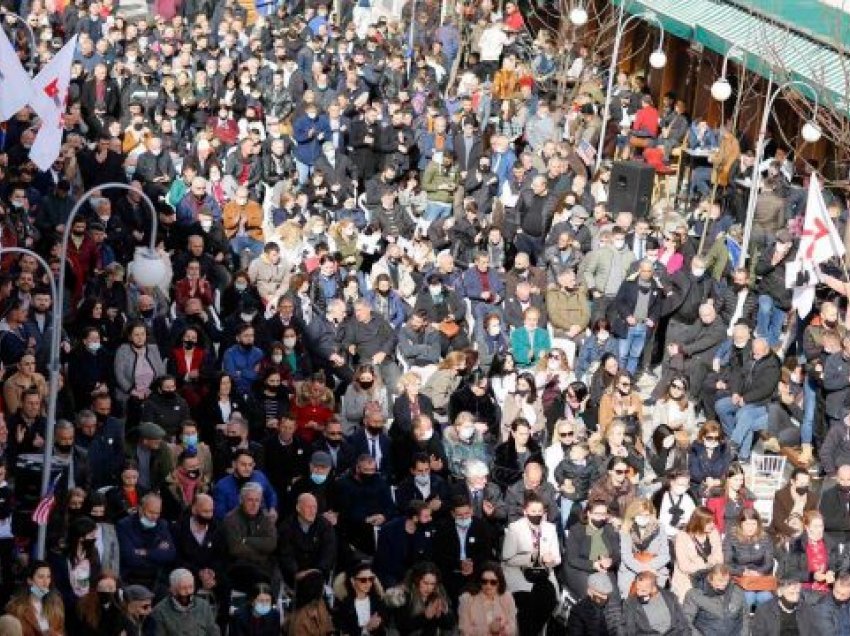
468	146
338	170
484	496
523	298
462	544
373	440
423	485
339	449
99	98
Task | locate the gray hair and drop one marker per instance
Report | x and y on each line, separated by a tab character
475	468
85	415
178	575
248	488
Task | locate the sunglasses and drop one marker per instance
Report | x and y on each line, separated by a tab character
712	438
554	357
489	581
364	579
620	471
566	434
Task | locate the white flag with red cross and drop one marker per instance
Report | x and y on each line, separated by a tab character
49	95
15	84
819	242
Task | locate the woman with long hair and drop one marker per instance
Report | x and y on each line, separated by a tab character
487	607
748	551
814	557
222	401
730	499
26	377
675	410
443	382
605	376
643	545
622	401
101	609
425	607
503	374
591	546
38	606
696	548
615	488
510	456
524	403
76	565
360	607
366	390
709	458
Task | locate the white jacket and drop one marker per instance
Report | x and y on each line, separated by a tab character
517	553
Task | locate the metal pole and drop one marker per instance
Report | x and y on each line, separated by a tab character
755	182
612	70
56	335
410	38
33	41
53	368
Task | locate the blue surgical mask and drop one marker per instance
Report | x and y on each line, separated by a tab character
318	478
261	609
38	592
422	480
146	523
190	441
463	523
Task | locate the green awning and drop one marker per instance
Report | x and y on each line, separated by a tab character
768	47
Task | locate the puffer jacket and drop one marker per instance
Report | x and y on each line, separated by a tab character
713	614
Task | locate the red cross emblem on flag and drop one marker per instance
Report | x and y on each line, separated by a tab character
52	91
819	232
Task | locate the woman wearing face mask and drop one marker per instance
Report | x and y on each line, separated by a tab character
463	442
510	456
185	482
592	545
222	400
76	565
728	500
697	548
674	502
530	554
188	439
38	606
238	293
89	368
360	608
187	361
272	397
259	616
101	610
367	389
748	551
643	546
165	407
492	340
670	254
602	381
709	458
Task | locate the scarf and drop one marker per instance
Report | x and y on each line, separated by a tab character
598	549
187	486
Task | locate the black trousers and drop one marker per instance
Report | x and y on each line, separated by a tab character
534	608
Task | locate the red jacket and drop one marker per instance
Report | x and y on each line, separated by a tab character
646	120
183	292
717	505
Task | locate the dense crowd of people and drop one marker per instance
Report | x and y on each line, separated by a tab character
410	374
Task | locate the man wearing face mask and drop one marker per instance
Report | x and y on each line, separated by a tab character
463	543
791	502
653	611
65	450
200	547
605	270
373	440
634	314
835	506
780	615
147	547
719	607
155	169
729	360
599	613
689	288
422	484
242	360
184	612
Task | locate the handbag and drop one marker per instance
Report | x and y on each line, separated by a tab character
757	583
535	574
449	328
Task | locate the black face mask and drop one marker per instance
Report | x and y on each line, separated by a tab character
534	520
147	313
168	395
333	443
368	479
64	448
738	287
87	544
598	523
106	598
802	490
233	440
189	344
375	430
367	384
193	474
203	521
183	599
644	599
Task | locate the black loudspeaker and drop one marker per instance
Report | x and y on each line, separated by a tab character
630	188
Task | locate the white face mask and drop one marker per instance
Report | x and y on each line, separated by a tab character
642	521
466	433
277	358
554	365
668	441
698	272
602	336
494	330
435	290
206	225
289	343
427	435
619	244
711	444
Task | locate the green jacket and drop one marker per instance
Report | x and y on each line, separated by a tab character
196	620
433	180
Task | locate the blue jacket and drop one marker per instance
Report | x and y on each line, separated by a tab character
226	493
358	500
426	144
473	289
309	146
361	447
161	553
241	365
397	550
592	351
106	453
502	163
397	307
701	466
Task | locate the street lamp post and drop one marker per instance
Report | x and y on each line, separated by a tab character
148	270
657	60
33	41
810	132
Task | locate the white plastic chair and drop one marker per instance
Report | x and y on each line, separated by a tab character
764	478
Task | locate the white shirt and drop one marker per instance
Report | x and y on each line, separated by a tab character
492	41
363	607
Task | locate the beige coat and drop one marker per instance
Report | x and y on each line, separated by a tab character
688	562
474	610
15	386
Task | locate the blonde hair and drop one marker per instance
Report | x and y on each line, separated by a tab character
453	360
637	507
406	380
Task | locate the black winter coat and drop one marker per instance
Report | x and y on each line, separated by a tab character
625	302
588	618
635	622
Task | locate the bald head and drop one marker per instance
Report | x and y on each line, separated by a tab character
761	348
